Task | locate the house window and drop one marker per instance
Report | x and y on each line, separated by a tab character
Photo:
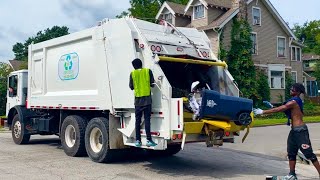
13	85
306	65
296	53
198	12
256	16
277	79
254	49
168	17
281	47
294	76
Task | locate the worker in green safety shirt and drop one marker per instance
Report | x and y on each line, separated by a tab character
141	81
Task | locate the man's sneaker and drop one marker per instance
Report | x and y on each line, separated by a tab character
289	177
138	143
151	143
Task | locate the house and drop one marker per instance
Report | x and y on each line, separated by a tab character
309	63
275	49
15	64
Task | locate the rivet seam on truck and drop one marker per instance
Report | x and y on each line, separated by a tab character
66	108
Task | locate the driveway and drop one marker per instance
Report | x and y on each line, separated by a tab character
264	153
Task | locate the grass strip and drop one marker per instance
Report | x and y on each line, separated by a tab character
271	122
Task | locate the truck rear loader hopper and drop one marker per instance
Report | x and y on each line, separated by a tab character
77	88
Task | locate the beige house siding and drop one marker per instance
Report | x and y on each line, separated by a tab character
214	41
267	40
226	41
297	66
267	37
181	21
214	13
275	95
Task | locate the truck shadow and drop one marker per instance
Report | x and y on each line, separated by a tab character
55	141
197	161
202	162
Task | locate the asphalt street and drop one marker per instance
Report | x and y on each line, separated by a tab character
264	153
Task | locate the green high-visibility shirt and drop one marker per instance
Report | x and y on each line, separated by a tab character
141	82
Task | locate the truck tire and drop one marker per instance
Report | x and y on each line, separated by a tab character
97	140
72	135
18	131
170	151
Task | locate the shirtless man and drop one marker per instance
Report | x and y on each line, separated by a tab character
299	135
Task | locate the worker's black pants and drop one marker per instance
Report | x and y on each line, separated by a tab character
299	139
146	111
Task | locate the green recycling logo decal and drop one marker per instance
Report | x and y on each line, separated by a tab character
69	66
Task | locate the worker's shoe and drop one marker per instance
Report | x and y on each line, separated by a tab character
290	177
138	143
151	143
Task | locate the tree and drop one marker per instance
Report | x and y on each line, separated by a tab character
240	59
5	70
316	73
263	89
20	50
309	33
146	9
289	83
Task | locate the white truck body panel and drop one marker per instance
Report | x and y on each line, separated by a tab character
101	59
90	69
50	87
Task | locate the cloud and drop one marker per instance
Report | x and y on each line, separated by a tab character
24	19
90	12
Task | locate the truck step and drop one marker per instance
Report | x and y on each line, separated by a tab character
161	142
143	146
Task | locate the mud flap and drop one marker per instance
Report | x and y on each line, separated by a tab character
245	136
184	136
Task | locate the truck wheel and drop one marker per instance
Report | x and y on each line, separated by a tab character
97	140
18	131
72	135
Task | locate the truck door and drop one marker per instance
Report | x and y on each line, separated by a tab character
12	92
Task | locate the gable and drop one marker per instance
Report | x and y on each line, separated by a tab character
276	16
164	9
173	8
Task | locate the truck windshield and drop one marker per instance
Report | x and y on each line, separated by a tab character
181	76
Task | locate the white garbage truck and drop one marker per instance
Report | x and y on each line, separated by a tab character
77	87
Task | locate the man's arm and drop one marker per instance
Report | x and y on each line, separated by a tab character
131	83
282	108
151	78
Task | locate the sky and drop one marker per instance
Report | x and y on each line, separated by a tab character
20	19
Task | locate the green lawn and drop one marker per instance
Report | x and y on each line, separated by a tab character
269	122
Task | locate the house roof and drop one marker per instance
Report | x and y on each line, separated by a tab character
309	56
220	3
15	64
231	12
309	77
222	20
178	8
173	8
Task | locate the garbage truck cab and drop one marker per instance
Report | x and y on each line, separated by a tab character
77	87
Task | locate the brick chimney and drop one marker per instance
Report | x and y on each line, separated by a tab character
235	4
243	13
